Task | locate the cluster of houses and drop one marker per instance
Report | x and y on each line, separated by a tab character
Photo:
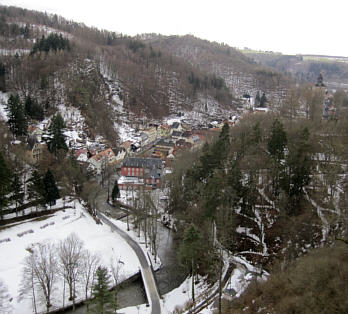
158	145
166	142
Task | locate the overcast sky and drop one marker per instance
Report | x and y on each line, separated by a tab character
287	26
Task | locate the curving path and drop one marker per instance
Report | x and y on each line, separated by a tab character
146	272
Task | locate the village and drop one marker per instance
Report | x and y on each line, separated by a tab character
142	159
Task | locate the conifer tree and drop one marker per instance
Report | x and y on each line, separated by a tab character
51	192
257	98
189	251
17	191
57	137
5	184
263	100
278	140
36	188
103	299
2	77
17	118
115	191
33	109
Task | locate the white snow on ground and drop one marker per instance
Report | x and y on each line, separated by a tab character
48	30
125	132
321	215
178	297
97	238
3	103
239	281
141	241
13	52
75	128
175	299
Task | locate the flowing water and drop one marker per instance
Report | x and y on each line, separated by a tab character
169	277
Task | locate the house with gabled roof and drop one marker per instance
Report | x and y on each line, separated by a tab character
35	131
127	146
164	146
103	158
176	135
120	153
164	130
176	126
34	149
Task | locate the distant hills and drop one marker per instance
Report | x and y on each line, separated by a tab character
306	67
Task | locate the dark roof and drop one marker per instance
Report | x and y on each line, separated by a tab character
175	125
165	143
148	163
154	173
118	150
176	133
186	134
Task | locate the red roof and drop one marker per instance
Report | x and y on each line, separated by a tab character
105	153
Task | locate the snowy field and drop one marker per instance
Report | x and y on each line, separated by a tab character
97	238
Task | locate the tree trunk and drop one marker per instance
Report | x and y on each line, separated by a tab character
193	284
32	286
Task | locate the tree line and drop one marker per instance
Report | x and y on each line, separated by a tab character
40	189
53	42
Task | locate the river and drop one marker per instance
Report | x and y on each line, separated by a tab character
168	277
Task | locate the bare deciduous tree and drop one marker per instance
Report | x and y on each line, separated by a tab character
89	265
40	273
116	266
70	253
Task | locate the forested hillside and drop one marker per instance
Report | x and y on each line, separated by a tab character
149	79
269	189
240	73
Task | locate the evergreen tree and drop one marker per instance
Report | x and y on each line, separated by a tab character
17	118
17	191
36	190
51	193
276	147
33	109
297	171
2	77
189	251
115	191
278	140
263	100
57	138
257	99
257	133
103	299
5	184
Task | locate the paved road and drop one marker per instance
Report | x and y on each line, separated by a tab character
148	278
